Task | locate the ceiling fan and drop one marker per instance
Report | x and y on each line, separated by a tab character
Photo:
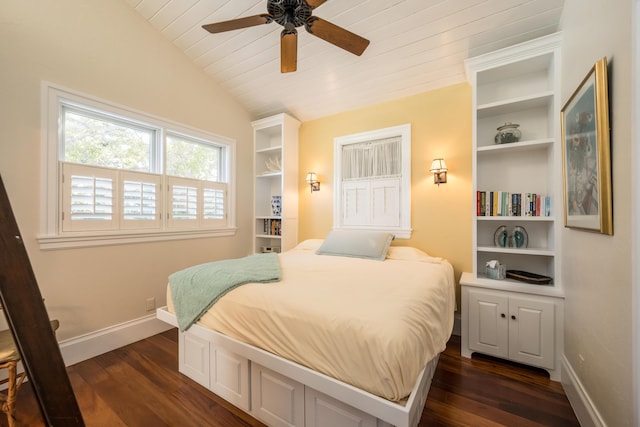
292	14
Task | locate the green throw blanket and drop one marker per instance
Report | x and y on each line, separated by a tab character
195	289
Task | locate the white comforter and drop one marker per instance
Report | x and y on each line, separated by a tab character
372	324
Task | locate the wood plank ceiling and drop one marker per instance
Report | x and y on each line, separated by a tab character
416	46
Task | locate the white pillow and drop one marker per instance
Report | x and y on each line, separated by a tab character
357	244
409	253
309	245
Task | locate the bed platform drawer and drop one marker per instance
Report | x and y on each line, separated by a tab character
193	358
238	373
324	411
276	400
223	372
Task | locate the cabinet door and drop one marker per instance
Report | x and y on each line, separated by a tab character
531	331
488	323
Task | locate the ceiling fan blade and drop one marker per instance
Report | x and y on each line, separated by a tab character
337	35
288	51
236	24
315	3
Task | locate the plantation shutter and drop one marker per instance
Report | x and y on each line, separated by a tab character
140	200
196	203
355	196
88	198
183	197
213	198
371	173
385	206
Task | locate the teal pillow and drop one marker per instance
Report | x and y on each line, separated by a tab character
357	244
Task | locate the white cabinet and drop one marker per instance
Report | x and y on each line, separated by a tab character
525	328
275	168
508	318
511	326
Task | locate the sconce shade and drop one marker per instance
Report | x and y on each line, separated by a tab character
312	179
439	169
438	165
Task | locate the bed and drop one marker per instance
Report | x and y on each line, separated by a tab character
339	340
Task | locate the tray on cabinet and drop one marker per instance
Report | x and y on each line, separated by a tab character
531	278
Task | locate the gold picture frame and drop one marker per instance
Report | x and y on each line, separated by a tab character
586	154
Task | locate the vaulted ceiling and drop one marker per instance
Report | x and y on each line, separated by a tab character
416	46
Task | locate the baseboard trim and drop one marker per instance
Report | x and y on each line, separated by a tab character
79	349
85	347
582	405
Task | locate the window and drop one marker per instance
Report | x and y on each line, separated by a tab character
373	171
98	139
106	168
191	158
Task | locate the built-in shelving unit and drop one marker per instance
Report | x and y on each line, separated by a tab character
275	170
519	85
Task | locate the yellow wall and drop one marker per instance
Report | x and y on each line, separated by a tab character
441	127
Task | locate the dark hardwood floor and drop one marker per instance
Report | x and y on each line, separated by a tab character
138	385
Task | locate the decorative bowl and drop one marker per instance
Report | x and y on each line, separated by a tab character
508	133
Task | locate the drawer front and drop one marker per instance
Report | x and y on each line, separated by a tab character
325	411
230	377
276	400
193	358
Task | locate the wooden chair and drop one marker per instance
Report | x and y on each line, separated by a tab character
9	358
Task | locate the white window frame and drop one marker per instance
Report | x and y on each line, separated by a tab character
403	229
52	235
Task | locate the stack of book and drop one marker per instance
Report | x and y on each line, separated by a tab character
503	203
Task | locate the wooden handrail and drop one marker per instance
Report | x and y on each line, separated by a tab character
27	318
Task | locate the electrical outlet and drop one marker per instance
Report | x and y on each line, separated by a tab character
151	304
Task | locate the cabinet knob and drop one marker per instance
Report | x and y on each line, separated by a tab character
513	317
503	315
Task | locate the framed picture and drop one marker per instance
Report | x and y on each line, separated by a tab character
586	154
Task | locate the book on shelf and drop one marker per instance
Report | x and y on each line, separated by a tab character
272	227
503	203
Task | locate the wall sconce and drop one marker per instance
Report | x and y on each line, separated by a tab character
439	169
312	179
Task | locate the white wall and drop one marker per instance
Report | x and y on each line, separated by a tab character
597	269
105	49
